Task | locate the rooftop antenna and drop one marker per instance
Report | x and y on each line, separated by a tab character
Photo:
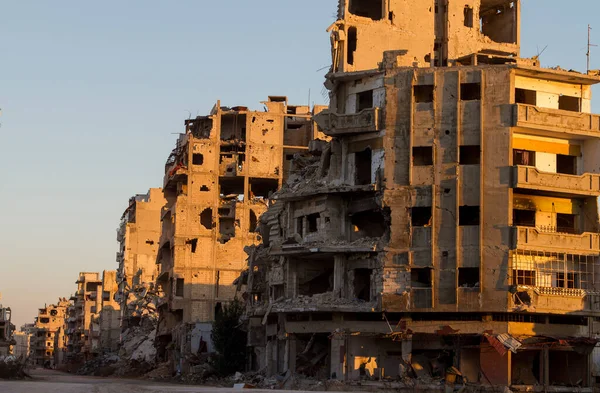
537	57
589	46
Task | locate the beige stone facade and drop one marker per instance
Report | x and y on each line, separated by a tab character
452	221
218	181
138	236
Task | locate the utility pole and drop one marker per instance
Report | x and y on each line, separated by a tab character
589	47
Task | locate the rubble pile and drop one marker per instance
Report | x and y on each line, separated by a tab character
12	367
136	356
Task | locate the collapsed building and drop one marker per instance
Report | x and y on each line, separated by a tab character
138	236
83	325
451	224
48	324
6	331
217	183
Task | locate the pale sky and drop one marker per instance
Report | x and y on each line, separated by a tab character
93	92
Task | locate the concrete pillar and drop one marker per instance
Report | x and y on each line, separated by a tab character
339	275
338	357
291	354
545	376
270	356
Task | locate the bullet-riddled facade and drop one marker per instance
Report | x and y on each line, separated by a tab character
138	236
452	221
217	183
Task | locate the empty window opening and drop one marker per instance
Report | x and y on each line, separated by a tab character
523	277
179	287
422	155
368	8
420	277
233	127
364	100
316	277
470	91
369	223
253	222
421	216
568	368
232	187
312	221
470	155
362	284
300	226
263	188
566	164
352	44
523	157
568	103
206	219
363	162
105	295
565	223
423	93
197	159
524	96
468	277
523	218
468	215
498	21
227	224
44	320
468	16
92	286
193	244
53	313
526	367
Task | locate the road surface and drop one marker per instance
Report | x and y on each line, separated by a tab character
48	381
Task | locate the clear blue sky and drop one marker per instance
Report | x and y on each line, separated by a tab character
92	92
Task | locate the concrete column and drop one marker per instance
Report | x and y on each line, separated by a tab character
339	275
545	376
338	357
291	354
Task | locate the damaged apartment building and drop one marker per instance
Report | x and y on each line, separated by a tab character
217	183
450	226
46	341
83	324
138	236
6	331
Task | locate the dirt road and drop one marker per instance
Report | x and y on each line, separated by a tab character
46	381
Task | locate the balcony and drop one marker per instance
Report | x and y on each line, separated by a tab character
556	120
334	124
528	177
526	238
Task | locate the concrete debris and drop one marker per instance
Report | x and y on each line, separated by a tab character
12	367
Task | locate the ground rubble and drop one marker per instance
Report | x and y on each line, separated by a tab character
12	367
137	355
